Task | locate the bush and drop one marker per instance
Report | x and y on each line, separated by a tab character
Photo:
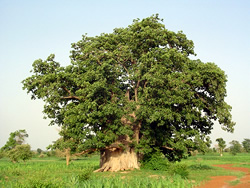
235	147
81	178
1	154
20	152
158	162
41	155
155	162
85	174
60	153
50	153
39	151
194	153
200	167
179	169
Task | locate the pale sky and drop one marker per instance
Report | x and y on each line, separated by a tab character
30	30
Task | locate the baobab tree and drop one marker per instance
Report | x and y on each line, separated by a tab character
132	92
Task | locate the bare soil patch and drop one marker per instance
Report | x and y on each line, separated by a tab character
223	181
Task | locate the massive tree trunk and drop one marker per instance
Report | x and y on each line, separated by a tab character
117	159
120	155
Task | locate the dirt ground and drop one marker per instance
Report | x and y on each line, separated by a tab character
223	181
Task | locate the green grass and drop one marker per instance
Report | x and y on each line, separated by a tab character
206	161
53	172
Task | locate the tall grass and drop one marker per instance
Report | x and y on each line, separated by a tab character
53	173
161	182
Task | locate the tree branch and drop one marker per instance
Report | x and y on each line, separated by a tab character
127	94
166	147
145	84
70	95
84	152
136	90
68	91
200	97
124	68
98	61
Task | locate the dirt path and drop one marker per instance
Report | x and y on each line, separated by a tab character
222	181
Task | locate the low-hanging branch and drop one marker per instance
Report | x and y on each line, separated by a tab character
85	151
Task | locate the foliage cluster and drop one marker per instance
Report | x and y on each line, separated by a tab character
221	144
20	152
246	144
235	147
39	151
14	147
1	154
61	144
157	161
200	167
16	138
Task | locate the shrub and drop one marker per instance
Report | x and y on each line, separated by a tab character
39	151
81	178
50	153
1	154
158	162
200	167
155	162
180	169
59	153
85	174
20	152
194	153
235	147
41	155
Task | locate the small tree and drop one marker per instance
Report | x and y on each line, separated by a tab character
221	144
20	152
201	145
235	147
14	147
39	151
246	144
64	146
16	138
67	147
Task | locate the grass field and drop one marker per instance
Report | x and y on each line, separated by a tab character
52	172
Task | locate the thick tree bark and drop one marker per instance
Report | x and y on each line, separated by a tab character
117	159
